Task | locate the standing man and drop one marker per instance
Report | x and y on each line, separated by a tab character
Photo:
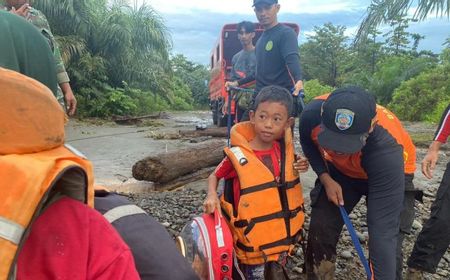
434	239
244	62
64	93
277	57
356	148
244	65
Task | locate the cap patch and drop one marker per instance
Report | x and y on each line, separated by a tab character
344	119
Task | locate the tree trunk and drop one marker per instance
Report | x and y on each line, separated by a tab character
166	167
183	180
211	131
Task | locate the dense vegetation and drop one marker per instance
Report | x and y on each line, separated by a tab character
118	57
414	84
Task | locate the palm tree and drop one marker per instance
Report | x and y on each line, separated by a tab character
382	11
132	40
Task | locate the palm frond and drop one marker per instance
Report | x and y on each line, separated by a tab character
70	47
382	11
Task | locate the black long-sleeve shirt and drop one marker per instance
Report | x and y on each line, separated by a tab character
277	58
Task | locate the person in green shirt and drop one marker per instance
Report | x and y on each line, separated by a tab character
37	18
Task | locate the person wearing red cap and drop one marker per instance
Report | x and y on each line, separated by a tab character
356	148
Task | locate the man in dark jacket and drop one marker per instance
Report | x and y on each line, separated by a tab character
154	251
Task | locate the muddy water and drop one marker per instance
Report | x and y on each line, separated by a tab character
113	149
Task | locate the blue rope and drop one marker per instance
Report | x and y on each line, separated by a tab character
355	241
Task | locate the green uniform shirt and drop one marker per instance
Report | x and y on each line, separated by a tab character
38	19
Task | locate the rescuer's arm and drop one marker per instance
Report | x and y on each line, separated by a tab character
212	201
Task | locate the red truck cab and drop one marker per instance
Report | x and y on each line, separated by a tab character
226	47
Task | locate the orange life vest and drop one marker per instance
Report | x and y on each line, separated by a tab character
270	215
350	165
34	162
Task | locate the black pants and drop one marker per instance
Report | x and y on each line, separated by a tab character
383	214
434	238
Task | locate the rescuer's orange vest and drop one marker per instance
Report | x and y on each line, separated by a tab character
270	215
36	168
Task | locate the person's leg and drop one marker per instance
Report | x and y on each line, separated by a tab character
325	227
434	238
406	221
384	204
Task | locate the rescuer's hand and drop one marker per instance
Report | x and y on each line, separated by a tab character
333	189
297	87
231	84
430	160
301	164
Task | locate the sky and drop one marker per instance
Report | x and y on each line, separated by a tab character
195	24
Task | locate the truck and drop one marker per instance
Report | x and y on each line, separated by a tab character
222	53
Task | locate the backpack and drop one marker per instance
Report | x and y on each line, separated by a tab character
207	244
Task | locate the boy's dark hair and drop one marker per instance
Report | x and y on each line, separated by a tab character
247	25
275	94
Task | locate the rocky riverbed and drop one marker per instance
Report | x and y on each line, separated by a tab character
114	149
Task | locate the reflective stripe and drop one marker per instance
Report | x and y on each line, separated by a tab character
122	211
239	155
75	151
11	231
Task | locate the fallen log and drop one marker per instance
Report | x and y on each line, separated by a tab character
183	180
127	120
167	167
211	131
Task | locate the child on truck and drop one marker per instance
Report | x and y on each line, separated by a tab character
262	198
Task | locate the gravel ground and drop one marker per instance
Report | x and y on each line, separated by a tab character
104	144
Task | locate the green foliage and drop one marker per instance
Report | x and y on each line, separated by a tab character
119	103
195	76
397	39
425	96
323	54
314	88
181	95
392	71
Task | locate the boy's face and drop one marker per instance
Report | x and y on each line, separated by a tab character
245	37
270	120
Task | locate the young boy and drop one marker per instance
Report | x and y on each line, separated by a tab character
262	199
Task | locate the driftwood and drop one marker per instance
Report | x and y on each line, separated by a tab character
167	167
135	120
211	131
183	180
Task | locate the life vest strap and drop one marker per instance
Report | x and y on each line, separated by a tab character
11	231
272	184
282	242
118	212
243	247
278	215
